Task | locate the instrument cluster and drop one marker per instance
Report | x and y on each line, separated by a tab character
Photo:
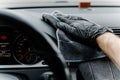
16	47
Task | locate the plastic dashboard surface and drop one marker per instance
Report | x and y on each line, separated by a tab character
104	16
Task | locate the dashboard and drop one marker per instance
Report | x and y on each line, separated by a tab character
19	53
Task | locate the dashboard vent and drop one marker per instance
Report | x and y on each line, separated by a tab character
116	31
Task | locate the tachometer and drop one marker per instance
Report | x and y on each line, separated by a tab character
25	51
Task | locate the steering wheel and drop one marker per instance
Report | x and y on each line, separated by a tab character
54	58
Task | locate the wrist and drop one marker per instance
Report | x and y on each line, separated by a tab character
105	37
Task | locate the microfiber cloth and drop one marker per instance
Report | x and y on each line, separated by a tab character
74	50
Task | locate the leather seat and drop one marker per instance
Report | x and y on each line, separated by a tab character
101	69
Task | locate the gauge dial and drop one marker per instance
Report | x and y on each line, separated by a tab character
25	51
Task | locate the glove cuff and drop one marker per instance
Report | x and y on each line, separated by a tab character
102	31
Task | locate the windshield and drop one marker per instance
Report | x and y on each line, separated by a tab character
29	1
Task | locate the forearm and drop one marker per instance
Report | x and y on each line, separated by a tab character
110	44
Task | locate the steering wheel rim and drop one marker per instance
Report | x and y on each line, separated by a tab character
55	59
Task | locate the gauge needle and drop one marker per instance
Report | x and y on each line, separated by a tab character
27	53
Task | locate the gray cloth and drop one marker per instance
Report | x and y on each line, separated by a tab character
75	51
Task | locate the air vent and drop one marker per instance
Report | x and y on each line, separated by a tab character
116	31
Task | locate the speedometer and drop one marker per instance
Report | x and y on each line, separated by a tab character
25	52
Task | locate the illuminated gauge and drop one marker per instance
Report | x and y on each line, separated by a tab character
25	52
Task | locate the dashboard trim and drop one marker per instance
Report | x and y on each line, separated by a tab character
38	65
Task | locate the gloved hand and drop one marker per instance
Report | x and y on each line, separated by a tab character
75	25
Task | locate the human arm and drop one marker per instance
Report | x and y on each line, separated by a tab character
110	44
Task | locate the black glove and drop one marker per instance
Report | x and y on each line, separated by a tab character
75	25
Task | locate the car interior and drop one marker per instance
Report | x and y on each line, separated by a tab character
29	46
